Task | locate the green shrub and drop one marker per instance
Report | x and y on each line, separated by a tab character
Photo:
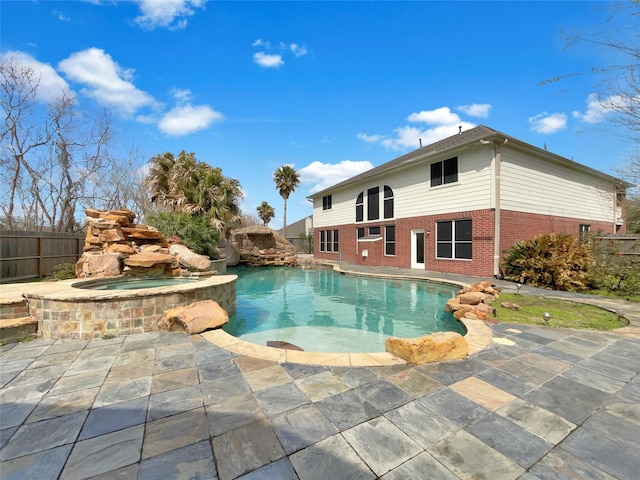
64	271
555	261
613	271
193	230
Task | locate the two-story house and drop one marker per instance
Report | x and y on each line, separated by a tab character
456	205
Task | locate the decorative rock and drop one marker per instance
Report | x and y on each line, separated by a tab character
195	317
471	298
510	305
111	235
439	346
104	265
148	259
142	233
189	259
121	248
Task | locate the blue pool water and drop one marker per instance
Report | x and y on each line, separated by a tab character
324	311
134	284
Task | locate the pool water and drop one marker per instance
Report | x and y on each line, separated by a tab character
134	284
325	311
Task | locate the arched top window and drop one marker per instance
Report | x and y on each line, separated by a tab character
373	204
360	207
388	202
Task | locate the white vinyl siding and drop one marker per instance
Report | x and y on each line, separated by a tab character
414	195
412	192
535	185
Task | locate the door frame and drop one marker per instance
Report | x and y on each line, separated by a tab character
415	233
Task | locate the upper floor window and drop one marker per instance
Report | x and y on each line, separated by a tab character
388	202
326	202
360	207
373	203
445	171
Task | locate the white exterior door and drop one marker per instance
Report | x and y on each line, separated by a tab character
417	249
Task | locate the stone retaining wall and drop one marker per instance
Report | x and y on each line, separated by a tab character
76	318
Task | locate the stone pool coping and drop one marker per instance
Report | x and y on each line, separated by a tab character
478	337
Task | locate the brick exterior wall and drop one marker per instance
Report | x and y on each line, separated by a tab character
515	226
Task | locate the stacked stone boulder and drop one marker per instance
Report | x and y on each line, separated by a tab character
116	245
474	301
260	246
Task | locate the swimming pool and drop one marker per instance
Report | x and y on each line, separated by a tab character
325	311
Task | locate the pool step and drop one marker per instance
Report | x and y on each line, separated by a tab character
13	330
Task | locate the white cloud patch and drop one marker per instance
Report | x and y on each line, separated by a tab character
298	50
186	119
171	14
442	123
105	81
548	123
268	61
50	84
439	116
323	175
273	56
598	108
480	110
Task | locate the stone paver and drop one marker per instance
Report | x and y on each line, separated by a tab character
537	403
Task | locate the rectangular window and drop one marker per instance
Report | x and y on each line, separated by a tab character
390	240
374	230
326	202
388	202
373	203
584	229
360	232
336	246
444	172
329	242
454	239
322	241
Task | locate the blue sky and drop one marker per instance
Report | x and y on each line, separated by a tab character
331	88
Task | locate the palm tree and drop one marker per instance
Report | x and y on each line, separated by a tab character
265	212
286	179
184	184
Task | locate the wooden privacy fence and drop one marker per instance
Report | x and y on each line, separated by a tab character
621	244
34	254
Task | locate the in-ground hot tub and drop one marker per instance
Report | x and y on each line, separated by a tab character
74	309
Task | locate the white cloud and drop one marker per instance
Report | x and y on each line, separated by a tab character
370	138
480	110
442	123
186	119
105	80
181	95
297	50
50	84
442	115
323	175
260	43
598	108
546	123
267	61
171	14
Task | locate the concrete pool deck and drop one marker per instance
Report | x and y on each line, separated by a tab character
536	403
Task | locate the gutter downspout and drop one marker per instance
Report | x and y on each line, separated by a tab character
497	158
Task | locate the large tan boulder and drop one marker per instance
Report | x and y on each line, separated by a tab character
195	317
437	347
189	259
471	298
148	259
104	265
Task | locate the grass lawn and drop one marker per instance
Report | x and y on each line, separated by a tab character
564	314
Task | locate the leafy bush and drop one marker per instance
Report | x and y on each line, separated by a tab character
64	271
193	230
555	261
613	271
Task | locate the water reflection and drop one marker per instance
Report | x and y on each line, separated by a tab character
280	298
